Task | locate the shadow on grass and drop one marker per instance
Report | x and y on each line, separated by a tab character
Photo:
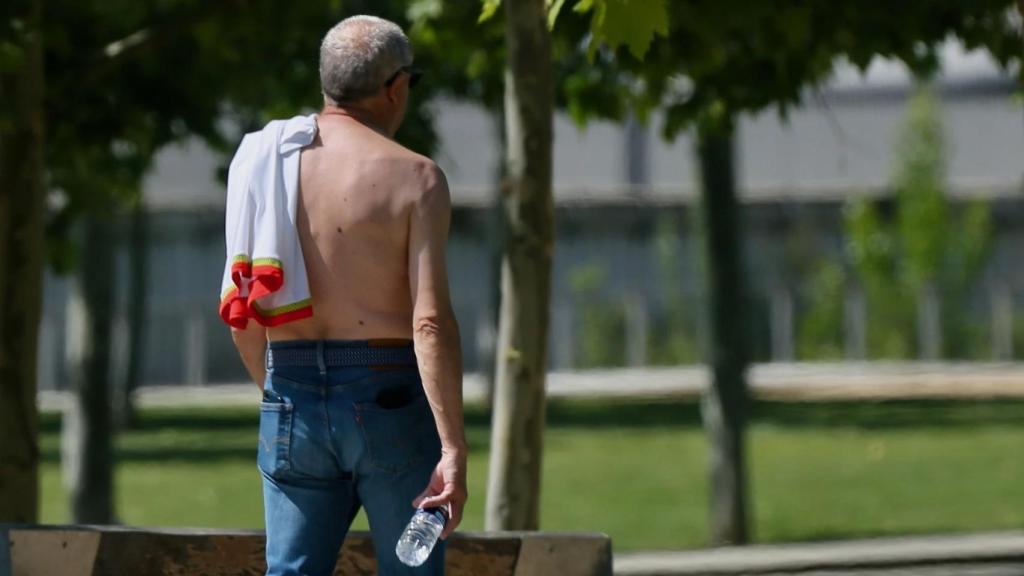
156	419
901	414
169	454
604	413
891	415
585	414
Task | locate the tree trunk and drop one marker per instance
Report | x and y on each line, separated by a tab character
513	494
138	245
725	403
22	202
88	424
495	254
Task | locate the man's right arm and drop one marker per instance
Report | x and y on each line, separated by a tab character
436	340
252	347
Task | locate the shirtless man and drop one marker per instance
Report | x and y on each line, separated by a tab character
373	223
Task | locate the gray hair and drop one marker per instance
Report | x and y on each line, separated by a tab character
358	55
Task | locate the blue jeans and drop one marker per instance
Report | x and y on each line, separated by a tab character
334	438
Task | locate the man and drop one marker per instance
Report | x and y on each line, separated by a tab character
362	400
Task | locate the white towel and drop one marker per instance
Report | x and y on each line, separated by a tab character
265	275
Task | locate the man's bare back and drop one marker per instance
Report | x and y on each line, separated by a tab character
357	189
372	220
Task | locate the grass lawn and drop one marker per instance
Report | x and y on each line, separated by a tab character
636	470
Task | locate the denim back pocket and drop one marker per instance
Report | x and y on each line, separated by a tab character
275	434
398	437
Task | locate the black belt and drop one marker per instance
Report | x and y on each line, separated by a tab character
327	354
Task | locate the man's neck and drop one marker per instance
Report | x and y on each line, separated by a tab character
361	115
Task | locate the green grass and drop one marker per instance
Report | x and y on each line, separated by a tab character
636	470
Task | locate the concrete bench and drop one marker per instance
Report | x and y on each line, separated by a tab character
121	551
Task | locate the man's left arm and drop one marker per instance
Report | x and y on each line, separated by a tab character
252	347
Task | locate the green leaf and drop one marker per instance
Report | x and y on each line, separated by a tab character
554	8
633	23
421	10
583	6
489	10
11	56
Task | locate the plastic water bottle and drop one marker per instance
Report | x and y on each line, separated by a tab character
421	535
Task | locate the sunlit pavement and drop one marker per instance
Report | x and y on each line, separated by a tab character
998	554
781	381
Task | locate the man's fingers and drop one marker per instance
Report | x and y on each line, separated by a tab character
452	496
456	518
417	502
434	501
447	498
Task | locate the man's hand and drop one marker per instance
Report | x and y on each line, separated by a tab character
447	487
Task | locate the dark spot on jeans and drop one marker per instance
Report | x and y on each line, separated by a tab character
392	398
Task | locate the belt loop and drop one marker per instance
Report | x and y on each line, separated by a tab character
321	362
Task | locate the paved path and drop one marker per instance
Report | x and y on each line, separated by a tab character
998	554
790	381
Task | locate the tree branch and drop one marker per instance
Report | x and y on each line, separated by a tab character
159	32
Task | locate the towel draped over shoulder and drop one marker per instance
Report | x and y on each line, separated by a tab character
265	275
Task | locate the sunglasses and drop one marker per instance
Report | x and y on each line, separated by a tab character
414	76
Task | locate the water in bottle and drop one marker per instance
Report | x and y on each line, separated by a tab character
420	535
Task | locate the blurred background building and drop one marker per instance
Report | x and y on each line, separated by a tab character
627	273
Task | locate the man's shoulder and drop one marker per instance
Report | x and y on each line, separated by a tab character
419	170
428	176
430	187
396	152
425	167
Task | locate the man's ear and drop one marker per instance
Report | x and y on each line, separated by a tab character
393	89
